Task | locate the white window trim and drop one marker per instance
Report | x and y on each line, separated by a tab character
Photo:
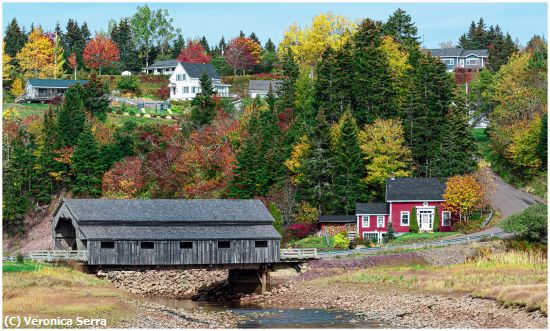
451	61
469	62
443	219
363	219
408	213
378	221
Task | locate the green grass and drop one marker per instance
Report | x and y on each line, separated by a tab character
409	238
21	266
312	242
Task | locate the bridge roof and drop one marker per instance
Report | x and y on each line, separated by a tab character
179	232
167	210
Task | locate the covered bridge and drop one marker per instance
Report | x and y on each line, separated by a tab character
167	232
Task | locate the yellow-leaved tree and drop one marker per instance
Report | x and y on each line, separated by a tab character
6	64
17	87
36	59
383	144
294	163
309	43
463	195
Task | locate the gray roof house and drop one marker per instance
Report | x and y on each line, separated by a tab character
261	87
161	67
469	59
415	189
46	89
167	232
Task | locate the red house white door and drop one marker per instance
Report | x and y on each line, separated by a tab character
425	219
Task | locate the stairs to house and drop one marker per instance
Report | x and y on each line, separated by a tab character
20	99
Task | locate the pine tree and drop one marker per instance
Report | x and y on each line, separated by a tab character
255	38
95	97
413	225
371	73
45	163
205	45
270	46
317	168
400	26
287	89
14	38
178	46
241	34
86	165
425	108
121	34
437	220
348	167
333	84
458	149
390	234
17	176
204	106
71	116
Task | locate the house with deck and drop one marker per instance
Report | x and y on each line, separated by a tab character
422	197
46	89
184	81
166	67
261	87
469	59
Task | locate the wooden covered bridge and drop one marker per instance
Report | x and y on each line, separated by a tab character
143	234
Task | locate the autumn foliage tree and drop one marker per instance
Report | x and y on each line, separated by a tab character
194	53
36	58
243	54
124	179
101	52
73	63
463	195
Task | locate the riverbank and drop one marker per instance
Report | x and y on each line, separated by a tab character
481	286
60	293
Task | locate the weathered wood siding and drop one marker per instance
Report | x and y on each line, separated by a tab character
168	252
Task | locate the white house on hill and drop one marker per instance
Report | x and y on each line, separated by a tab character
184	81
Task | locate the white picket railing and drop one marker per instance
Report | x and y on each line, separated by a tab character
299	253
58	255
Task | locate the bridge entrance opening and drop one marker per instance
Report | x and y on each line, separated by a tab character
65	235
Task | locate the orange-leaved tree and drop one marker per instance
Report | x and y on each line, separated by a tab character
464	195
194	53
101	52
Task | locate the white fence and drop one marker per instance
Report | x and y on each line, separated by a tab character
299	253
58	255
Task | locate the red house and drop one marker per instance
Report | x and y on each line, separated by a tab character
425	195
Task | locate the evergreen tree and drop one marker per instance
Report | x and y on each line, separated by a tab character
86	165
17	178
542	147
425	109
348	167
124	144
287	89
73	42
400	26
95	97
333	84
437	220
14	38
255	38
71	116
241	34
45	163
178	46
458	147
316	182
270	46
371	73
205	45
204	106
413	224
121	34
390	234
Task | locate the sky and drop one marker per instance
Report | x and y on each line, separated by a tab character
436	22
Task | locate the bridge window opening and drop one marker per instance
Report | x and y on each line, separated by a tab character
260	243
107	244
186	245
147	245
224	244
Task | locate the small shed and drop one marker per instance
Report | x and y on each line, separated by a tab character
333	224
167	231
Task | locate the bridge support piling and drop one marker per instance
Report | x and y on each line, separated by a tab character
248	281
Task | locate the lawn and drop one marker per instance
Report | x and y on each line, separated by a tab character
62	292
21	266
410	238
512	278
312	242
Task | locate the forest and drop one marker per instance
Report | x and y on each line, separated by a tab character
359	102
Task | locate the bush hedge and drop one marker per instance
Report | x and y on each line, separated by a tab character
531	224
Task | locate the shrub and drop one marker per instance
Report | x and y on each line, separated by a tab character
390	235
300	230
436	220
306	213
340	240
530	225
413	226
128	83
276	213
19	258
